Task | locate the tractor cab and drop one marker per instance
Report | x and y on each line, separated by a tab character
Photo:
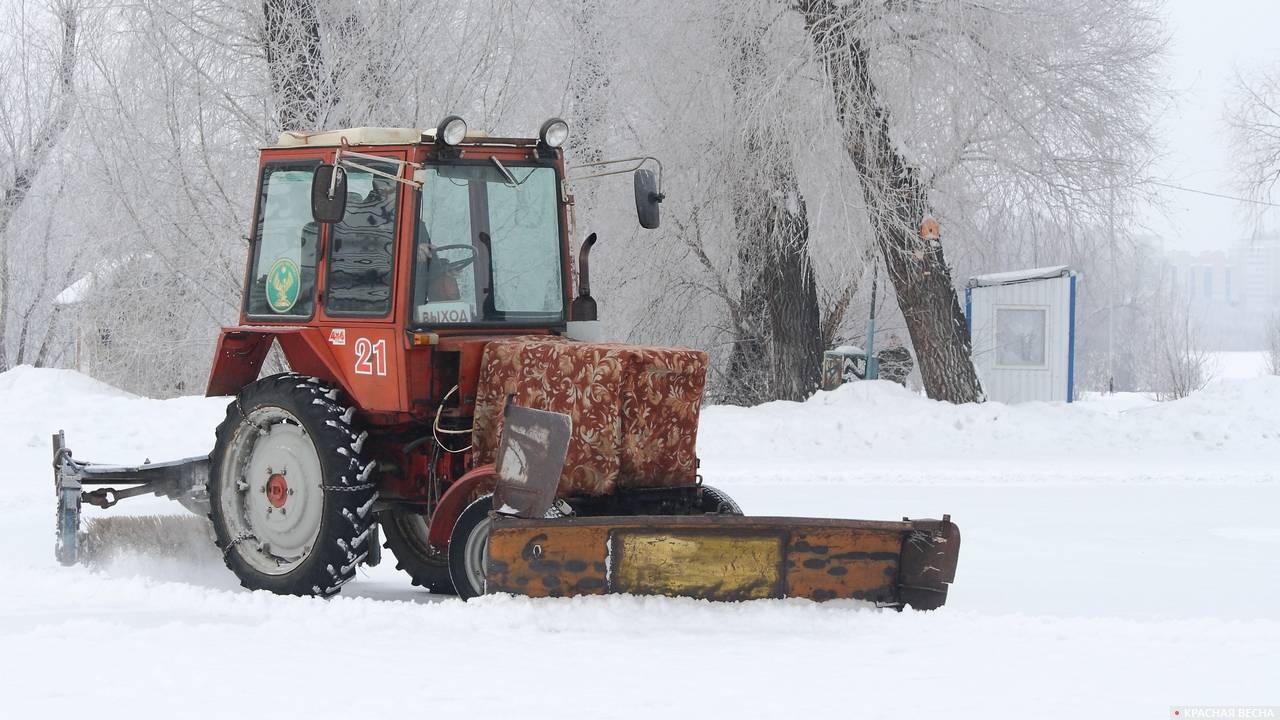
381	258
412	232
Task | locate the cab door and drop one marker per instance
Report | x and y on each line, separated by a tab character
359	298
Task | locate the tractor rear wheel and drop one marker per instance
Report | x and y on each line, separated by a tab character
406	533
469	548
289	490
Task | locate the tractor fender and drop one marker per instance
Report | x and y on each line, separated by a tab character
482	478
241	352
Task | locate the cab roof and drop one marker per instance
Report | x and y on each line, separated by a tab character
365	136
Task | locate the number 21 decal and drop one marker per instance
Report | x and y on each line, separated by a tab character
371	357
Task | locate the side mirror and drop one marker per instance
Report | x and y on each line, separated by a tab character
328	194
647	198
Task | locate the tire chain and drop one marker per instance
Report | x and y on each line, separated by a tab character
328	398
361	521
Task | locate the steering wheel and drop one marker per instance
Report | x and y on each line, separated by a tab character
451	265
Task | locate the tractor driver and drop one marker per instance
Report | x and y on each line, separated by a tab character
445	256
434	273
438	273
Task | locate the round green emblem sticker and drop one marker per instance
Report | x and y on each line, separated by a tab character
283	285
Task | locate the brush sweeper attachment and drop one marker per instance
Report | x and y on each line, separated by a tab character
180	480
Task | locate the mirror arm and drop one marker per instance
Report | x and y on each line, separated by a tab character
638	163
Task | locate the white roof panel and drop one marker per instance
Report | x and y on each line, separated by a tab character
353	136
1017	276
365	136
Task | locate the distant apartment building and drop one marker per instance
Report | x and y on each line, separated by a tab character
1232	292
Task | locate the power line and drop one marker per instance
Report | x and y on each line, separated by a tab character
1214	194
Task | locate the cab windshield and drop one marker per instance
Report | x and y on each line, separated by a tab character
488	246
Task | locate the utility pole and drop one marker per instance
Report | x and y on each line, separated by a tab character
873	364
1111	311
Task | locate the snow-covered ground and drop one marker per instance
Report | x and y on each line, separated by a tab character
1120	557
1236	365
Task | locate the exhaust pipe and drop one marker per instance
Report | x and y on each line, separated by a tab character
584	306
583	324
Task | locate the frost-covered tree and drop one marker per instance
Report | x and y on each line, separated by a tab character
993	103
1271	340
39	53
1253	115
301	83
777	344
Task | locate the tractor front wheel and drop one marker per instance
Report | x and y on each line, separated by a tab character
469	548
718	502
406	533
290	494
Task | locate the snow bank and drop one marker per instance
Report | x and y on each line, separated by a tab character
102	423
44	384
866	432
878	431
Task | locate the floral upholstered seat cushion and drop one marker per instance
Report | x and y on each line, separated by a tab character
634	408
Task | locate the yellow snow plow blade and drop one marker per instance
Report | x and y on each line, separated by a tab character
725	557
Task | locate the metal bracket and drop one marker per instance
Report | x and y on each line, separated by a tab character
343	152
639	163
178	480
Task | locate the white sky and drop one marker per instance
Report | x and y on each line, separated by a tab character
1209	40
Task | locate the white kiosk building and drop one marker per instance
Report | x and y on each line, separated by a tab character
1022	327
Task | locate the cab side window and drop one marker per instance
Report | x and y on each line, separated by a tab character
362	245
283	278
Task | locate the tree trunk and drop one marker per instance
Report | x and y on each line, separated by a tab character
364	74
777	339
795	335
897	202
294	62
588	108
589	83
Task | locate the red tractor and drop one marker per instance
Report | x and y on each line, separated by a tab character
418	284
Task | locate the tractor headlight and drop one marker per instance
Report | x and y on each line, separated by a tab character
554	132
451	131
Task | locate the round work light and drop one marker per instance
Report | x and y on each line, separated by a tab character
452	130
554	132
